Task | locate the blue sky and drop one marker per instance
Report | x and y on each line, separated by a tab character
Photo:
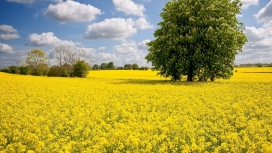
109	30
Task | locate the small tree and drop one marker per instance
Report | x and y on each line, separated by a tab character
95	67
135	66
104	66
127	66
110	66
81	69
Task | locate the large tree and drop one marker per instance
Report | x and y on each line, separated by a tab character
197	38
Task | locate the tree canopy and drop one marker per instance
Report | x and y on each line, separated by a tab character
197	39
37	60
81	69
36	57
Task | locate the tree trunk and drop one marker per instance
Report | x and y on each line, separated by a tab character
190	73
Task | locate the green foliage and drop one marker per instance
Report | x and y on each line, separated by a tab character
95	67
36	57
65	73
24	70
104	66
135	66
14	70
110	66
6	70
127	66
37	61
81	69
197	39
40	70
54	71
143	68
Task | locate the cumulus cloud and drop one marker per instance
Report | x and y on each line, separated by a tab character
258	49
247	3
7	32
47	39
94	57
265	14
129	53
5	48
129	7
142	45
115	28
253	34
141	23
9	36
22	1
127	48
72	11
7	28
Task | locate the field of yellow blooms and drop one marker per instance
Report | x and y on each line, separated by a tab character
135	111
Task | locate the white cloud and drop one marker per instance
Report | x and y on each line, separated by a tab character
5	48
247	3
9	36
47	39
22	1
141	23
129	7
7	28
72	11
142	45
254	34
127	48
129	53
268	24
115	28
258	49
7	32
94	57
101	48
57	1
265	14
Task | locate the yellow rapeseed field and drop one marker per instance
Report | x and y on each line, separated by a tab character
135	111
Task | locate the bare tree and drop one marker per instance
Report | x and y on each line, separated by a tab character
59	54
67	55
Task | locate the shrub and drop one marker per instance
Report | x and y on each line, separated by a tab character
14	69
7	70
24	70
54	71
81	69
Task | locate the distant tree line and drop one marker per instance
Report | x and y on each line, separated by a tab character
110	66
254	65
69	63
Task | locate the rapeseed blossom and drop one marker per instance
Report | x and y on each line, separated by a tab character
135	111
